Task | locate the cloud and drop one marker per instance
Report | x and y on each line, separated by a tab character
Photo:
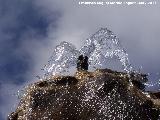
24	29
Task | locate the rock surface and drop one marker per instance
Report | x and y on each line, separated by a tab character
100	95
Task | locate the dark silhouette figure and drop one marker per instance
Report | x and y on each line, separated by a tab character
82	63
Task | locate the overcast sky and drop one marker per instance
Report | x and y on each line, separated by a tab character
30	29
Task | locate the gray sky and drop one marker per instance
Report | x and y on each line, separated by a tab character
137	27
30	29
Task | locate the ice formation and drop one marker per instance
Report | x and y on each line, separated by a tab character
99	47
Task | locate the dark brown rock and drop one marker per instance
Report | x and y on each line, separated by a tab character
102	94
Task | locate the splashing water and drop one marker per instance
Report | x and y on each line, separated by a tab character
102	45
63	57
99	47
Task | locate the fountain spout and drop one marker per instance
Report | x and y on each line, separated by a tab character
82	63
